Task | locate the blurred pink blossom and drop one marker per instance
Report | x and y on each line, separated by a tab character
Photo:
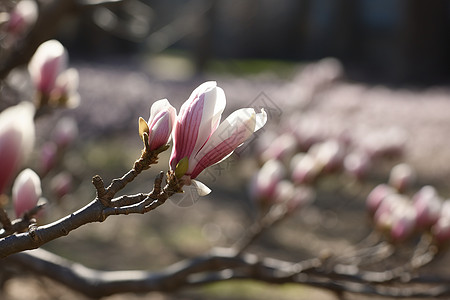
397	216
47	158
21	19
284	191
26	192
377	196
65	132
61	184
49	73
282	147
441	230
264	184
17	135
428	206
357	164
401	177
305	168
329	154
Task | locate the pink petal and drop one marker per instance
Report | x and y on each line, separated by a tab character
159	106
186	131
10	143
26	191
199	116
231	133
160	131
49	60
17	135
214	104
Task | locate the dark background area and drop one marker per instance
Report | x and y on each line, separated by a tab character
394	42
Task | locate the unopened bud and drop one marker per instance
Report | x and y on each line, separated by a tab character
377	196
428	206
65	132
264	184
402	177
61	184
306	169
26	191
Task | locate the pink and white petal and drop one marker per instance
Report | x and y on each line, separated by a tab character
157	107
49	60
231	133
160	131
261	119
213	106
201	89
185	131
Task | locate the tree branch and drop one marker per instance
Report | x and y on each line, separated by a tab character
216	266
99	208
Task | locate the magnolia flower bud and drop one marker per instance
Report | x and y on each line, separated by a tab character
61	184
284	191
401	177
282	147
396	216
305	168
428	206
65	132
21	18
160	124
441	229
55	84
264	184
329	155
49	60
357	164
404	223
16	140
65	92
47	157
26	192
377	196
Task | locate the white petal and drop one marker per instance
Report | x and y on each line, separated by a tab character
230	134
51	50
261	119
158	106
201	188
213	106
191	195
243	119
202	87
68	80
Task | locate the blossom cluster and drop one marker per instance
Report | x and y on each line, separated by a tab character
401	214
200	139
300	152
